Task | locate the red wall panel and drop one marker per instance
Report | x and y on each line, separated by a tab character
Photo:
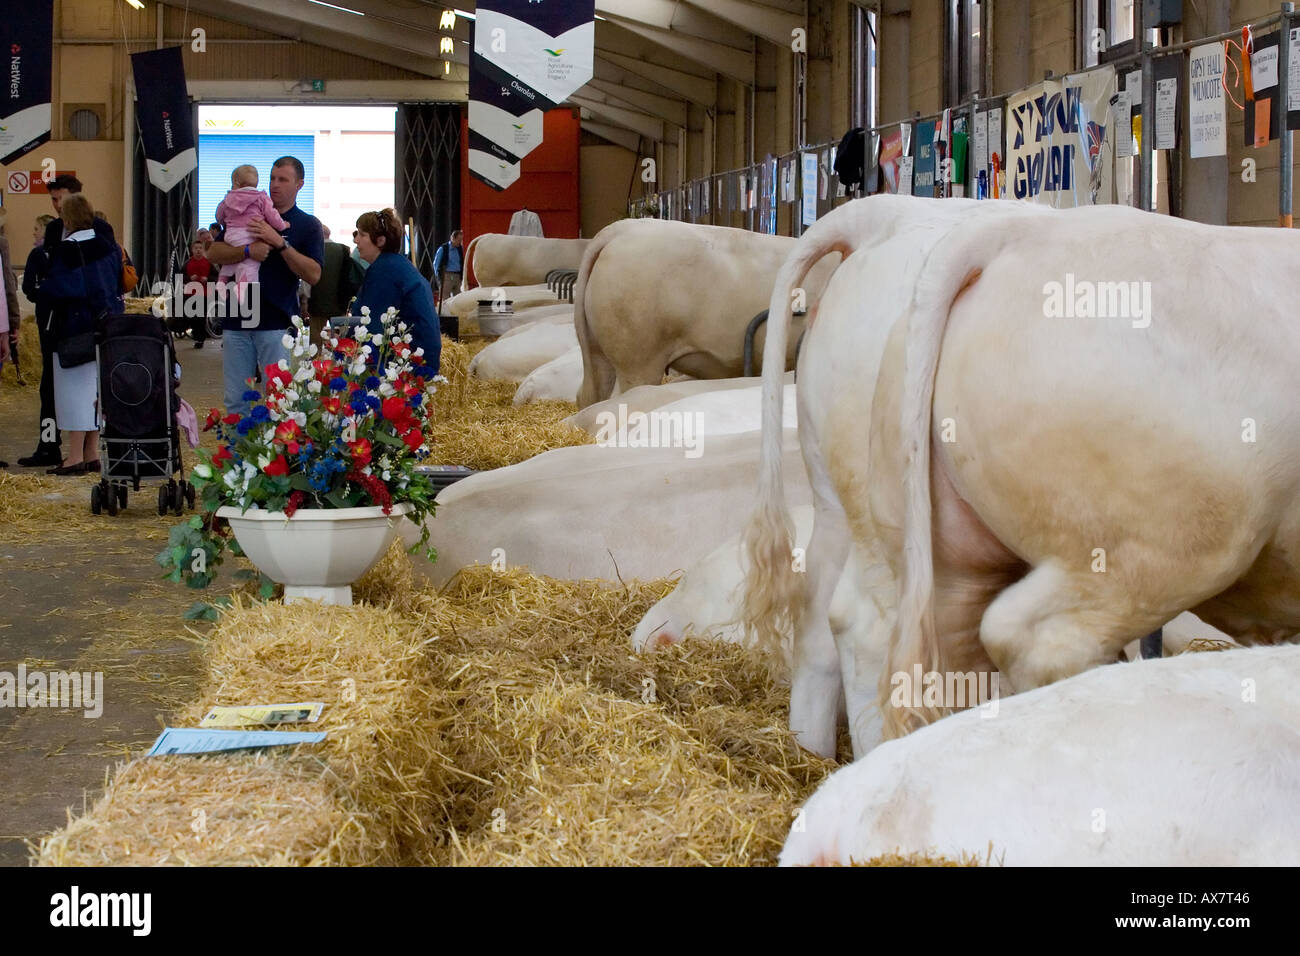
548	183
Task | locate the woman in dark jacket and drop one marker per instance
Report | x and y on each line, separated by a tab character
82	281
391	280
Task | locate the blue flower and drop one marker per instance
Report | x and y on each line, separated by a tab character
374	403
245	426
338	384
373	382
359	405
415	400
261	414
251	396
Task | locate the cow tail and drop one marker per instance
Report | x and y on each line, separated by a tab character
597	369
949	270
773	590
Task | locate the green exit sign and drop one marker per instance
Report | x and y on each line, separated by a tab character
318	86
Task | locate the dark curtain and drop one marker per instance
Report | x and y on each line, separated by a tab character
427	155
162	223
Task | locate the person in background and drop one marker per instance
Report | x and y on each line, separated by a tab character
339	280
199	269
448	267
81	281
130	278
391	280
285	258
9	313
48	446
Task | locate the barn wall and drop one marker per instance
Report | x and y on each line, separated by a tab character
607	172
925	58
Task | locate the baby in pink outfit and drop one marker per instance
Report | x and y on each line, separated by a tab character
242	204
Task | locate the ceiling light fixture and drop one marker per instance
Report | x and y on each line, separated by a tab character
136	3
332	6
462	13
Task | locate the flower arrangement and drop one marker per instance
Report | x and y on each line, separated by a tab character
337	428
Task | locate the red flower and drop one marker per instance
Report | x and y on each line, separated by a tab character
214	416
286	431
280	376
231	419
377	490
292	448
296	498
277	467
221	457
331	405
413	439
396	410
361	451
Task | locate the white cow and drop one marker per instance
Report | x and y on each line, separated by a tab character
592	511
513	357
654	295
1186	761
498	259
521	298
886	239
645	398
1085	484
559	380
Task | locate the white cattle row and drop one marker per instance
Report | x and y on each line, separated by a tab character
501	260
516	354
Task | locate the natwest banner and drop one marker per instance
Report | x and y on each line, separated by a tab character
27	39
165	117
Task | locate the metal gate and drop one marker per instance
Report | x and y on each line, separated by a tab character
427	155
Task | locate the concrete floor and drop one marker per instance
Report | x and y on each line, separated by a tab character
73	601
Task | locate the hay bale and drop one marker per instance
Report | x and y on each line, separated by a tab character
224	810
567	756
367	792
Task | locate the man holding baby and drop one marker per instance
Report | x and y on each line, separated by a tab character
250	344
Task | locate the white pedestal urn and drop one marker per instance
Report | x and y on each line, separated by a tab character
319	552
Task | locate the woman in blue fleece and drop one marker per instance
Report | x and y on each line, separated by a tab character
391	280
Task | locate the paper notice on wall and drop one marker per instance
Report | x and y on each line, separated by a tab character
1207	123
808	191
1133	85
980	160
1263	68
1122	107
995	137
1293	73
905	175
1166	108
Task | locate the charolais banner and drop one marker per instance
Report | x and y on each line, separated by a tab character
488	163
163	112
547	44
1060	141
27	33
500	113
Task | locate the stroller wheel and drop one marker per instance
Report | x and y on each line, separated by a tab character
190	495
177	499
163	496
96	499
110	500
121	495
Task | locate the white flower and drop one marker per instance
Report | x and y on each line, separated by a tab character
376	339
231	478
358	367
386	390
387	475
203	470
287	340
365	470
419	353
290	396
297	321
284	365
365	310
313	386
299	419
250	470
392	372
263	461
365	349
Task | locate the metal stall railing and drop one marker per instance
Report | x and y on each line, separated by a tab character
799	187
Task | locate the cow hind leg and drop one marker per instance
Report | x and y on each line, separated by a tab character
1053	624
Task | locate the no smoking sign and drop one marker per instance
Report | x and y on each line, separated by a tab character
19	182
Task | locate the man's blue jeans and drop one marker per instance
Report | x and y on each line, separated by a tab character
244	351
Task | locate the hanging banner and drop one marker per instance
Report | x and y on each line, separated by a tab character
923	163
1207	120
163	112
1059	150
27	32
548	46
499	113
488	164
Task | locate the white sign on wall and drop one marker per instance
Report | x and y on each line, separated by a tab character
809	188
1207	123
